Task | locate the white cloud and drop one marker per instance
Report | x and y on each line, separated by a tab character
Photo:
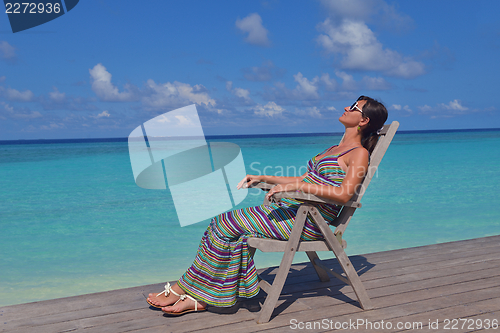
2	78
375	83
373	11
104	89
402	110
455	105
407	109
19	113
321	87
355	9
452	109
57	96
238	92
16	95
241	93
266	72
104	113
271	109
425	109
166	95
329	83
52	126
348	82
252	24
8	108
7	51
154	95
312	111
361	50
306	89
162	119
183	120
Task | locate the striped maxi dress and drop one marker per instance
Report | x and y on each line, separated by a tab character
223	268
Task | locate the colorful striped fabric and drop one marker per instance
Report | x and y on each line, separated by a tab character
223	268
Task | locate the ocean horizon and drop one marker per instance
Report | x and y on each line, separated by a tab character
234	136
73	220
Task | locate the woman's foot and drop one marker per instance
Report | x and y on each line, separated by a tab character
169	296
184	305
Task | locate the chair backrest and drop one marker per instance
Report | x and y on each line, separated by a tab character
386	135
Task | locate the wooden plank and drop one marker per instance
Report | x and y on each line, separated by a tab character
452	289
393	268
471	268
419	263
440	313
445	278
394	273
324	307
77	303
437	249
342	312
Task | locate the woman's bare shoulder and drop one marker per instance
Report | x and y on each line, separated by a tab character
360	152
361	155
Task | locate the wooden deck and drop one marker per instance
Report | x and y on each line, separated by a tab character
457	280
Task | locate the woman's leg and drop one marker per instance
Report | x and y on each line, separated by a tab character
223	268
185	304
166	297
167	302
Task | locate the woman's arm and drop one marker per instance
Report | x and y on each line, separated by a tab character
357	166
252	179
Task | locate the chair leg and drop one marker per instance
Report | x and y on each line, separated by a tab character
354	279
322	274
286	263
344	262
251	251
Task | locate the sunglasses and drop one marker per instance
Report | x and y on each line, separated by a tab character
355	107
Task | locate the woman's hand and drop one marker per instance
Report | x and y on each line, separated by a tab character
249	180
294	186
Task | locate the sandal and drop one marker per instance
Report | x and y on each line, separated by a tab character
167	291
183	297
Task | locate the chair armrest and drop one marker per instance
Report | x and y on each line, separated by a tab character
303	196
262	186
314	199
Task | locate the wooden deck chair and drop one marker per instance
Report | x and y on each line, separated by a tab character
332	239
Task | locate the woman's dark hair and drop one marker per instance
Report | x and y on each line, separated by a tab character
377	113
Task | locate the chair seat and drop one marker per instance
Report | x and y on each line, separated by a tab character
273	245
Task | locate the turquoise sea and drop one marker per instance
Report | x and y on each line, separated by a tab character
73	221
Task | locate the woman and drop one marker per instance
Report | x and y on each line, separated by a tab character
223	268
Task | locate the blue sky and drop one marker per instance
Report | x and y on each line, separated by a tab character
251	67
